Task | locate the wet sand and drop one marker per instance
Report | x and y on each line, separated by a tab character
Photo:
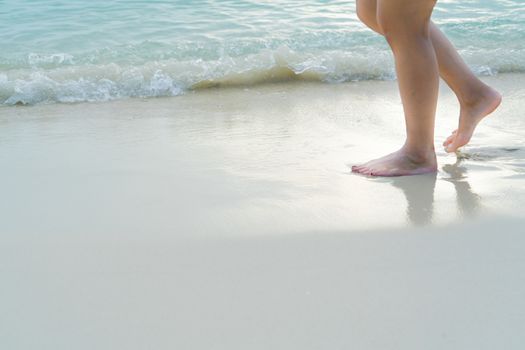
229	219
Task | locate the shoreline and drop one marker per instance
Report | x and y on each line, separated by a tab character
284	78
215	152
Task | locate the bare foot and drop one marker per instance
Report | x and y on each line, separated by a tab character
470	115
399	163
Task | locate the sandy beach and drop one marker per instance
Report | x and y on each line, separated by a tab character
229	219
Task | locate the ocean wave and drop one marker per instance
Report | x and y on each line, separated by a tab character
58	78
40	87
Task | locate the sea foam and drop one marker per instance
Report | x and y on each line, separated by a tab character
69	82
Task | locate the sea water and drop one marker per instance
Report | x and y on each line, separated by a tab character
97	50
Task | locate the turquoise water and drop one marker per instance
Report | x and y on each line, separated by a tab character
79	50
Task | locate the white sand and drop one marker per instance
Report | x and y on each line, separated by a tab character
228	219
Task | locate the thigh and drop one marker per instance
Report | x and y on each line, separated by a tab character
366	8
414	14
367	13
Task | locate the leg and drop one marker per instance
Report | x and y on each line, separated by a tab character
477	100
405	24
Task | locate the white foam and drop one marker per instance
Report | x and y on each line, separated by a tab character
57	78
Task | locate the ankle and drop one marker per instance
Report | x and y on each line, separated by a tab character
419	154
471	97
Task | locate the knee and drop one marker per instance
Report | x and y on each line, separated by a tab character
367	14
396	29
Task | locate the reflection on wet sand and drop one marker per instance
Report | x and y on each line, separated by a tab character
469	202
419	192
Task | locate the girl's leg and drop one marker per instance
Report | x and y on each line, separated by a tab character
476	99
405	24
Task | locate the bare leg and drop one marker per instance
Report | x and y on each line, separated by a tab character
405	24
476	99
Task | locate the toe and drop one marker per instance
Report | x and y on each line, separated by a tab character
380	173
357	168
365	171
459	141
450	148
449	140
